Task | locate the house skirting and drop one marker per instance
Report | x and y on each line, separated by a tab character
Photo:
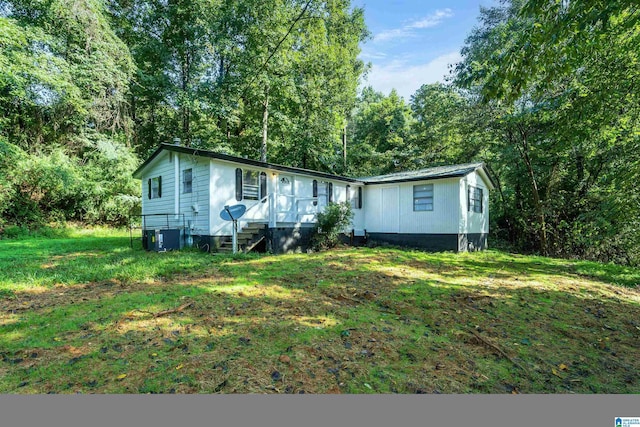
289	239
285	239
433	242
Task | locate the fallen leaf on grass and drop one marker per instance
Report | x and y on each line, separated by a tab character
121	376
285	359
179	367
563	367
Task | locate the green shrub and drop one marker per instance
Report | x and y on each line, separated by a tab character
113	194
331	223
48	187
14	232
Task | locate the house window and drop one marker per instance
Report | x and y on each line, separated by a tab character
474	201
250	185
263	186
238	184
423	197
323	194
187	180
315	192
355	198
155	187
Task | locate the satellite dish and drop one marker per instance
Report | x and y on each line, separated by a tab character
232	213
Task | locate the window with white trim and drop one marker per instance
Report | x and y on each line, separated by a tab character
423	197
251	185
474	199
187	180
323	194
354	197
155	187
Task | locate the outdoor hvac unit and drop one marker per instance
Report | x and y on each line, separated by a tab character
161	240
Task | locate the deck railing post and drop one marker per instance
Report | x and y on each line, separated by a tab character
272	210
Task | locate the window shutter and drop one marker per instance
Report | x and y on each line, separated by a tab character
238	184
315	192
348	193
263	186
330	192
359	197
160	186
149	184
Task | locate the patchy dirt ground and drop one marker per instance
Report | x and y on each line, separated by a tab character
348	321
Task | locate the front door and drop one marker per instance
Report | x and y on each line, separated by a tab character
285	203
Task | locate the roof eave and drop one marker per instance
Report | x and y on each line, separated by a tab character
418	178
224	157
485	175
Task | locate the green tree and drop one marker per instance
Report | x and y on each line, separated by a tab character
558	77
380	134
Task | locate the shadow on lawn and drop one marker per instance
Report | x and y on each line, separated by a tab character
396	321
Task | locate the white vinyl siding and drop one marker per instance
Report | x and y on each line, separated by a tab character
472	221
160	167
443	219
195	204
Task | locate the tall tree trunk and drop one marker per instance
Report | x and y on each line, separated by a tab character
186	108
265	119
523	147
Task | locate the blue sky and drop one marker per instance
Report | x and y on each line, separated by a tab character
413	41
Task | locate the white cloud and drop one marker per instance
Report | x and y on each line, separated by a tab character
408	30
372	55
433	20
406	79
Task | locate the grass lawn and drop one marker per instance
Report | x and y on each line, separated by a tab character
88	314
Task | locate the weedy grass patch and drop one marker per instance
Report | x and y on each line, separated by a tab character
85	313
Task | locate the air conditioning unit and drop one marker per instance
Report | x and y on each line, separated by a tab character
161	240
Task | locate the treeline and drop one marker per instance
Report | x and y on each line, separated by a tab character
546	94
89	87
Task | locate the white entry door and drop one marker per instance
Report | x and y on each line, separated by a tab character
390	210
285	203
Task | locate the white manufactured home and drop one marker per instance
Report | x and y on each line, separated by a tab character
185	189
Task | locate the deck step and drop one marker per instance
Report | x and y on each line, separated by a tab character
248	238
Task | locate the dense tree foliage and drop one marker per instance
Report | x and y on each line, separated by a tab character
561	77
546	94
261	79
89	87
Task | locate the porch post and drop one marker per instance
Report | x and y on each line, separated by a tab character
273	196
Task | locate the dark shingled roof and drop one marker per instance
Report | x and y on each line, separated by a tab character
417	175
421	174
219	156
